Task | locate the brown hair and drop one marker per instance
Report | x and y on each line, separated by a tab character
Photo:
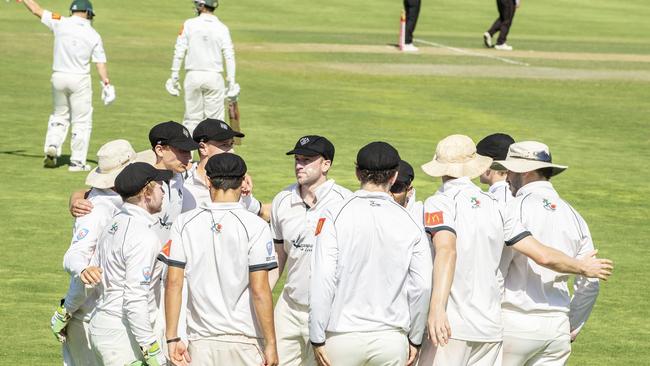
377	177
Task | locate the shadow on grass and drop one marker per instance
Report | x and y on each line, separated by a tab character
61	160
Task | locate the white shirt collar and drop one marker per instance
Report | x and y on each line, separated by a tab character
220	205
540	185
497	185
321	191
457	183
368	194
138	213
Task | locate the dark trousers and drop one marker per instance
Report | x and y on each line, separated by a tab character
504	21
412	8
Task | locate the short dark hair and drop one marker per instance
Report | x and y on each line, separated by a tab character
226	183
545	172
377	177
399	187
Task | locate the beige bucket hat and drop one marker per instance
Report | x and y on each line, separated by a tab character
456	157
527	156
112	157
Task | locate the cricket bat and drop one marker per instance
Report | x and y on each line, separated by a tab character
402	31
233	117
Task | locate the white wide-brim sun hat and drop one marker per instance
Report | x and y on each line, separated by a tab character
456	157
527	156
112	157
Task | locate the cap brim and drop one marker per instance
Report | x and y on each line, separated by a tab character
303	151
163	175
185	144
524	166
225	135
472	168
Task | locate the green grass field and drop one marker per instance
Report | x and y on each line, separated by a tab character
302	71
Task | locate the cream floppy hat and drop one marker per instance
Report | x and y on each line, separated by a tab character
527	156
112	157
456	157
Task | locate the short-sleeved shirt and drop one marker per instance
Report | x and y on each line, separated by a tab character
539	210
293	225
218	245
76	43
474	306
501	191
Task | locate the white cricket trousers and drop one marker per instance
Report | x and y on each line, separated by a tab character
292	332
226	350
380	348
204	97
76	349
535	340
113	343
460	353
72	98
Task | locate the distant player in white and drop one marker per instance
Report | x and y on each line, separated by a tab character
70	321
371	273
76	44
495	146
224	252
122	327
205	44
468	233
296	211
541	318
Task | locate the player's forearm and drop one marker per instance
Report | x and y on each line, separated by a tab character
136	308
263	304
179	54
33	6
274	276
444	266
229	57
102	70
173	300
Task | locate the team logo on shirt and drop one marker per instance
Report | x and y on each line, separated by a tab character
113	228
319	226
146	275
82	233
433	218
548	205
374	203
269	248
216	228
475	202
163	221
299	244
166	248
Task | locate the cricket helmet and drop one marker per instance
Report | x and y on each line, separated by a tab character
82	5
209	3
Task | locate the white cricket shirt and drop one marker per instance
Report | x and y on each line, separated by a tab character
76	43
474	306
172	206
126	252
218	245
293	224
530	287
206	40
371	269
501	191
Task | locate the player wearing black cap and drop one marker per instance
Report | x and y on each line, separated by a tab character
371	273
224	252
294	222
403	191
496	146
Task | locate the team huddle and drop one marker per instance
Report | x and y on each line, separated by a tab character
174	261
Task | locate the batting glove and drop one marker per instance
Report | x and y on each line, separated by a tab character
233	91
173	87
59	321
154	356
108	93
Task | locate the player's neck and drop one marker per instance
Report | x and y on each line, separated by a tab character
308	191
371	187
221	196
497	179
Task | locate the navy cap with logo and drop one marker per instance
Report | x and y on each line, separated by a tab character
136	176
495	146
313	145
377	156
225	165
215	130
173	134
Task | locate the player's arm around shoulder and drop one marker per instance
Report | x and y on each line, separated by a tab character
84	239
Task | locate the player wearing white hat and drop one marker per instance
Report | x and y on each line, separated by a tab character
296	211
469	234
371	273
204	42
541	318
122	327
224	252
76	44
70	321
495	146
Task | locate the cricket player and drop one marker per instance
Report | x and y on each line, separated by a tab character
540	317
70	321
468	235
371	273
296	211
204	43
224	252
76	44
403	191
496	146
122	327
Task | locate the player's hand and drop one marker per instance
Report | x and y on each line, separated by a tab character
593	267
247	185
439	328
413	355
59	322
173	86
270	355
80	207
233	91
108	92
178	354
154	356
91	275
321	356
574	334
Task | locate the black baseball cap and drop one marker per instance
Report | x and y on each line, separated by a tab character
405	173
495	146
225	165
173	134
135	176
378	156
312	145
215	130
